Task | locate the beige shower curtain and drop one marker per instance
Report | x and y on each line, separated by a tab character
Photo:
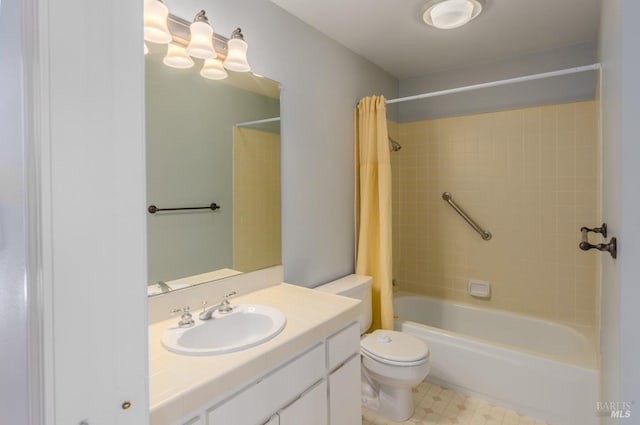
373	205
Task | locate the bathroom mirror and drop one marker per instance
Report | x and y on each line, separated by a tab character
210	142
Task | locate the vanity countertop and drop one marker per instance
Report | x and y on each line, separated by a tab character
180	384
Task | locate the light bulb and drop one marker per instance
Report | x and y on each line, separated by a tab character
177	57
237	53
201	43
213	70
155	22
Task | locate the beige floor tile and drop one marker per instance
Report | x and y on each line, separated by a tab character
435	405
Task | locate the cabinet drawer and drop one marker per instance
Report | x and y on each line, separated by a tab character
259	401
343	345
309	409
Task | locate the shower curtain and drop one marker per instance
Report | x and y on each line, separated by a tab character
373	205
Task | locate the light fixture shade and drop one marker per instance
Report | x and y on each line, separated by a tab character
201	43
237	53
213	70
177	57
155	22
449	14
146	48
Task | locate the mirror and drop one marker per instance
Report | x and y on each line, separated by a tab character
210	142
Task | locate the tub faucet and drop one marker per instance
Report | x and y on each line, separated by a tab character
223	307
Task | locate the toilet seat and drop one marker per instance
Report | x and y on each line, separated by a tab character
394	348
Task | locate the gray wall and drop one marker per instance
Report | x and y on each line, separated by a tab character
571	88
189	163
321	84
13	220
620	345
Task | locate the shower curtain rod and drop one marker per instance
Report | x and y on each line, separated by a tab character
593	67
248	123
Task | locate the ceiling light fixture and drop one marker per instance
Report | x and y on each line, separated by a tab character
448	14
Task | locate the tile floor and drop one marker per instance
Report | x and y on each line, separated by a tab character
435	405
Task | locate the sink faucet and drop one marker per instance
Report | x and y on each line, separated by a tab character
223	307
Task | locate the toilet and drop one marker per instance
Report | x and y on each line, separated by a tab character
393	363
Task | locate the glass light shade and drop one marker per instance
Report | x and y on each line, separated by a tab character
450	14
213	70
155	22
237	56
177	57
146	49
201	43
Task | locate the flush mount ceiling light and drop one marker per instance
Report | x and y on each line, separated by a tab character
448	14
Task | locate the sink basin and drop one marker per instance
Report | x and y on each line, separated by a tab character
246	326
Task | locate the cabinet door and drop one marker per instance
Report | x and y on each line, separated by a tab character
309	409
344	394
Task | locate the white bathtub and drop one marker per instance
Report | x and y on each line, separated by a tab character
543	369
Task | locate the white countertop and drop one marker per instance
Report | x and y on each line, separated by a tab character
181	384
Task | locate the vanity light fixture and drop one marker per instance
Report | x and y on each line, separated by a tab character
237	53
213	70
201	43
448	14
155	22
177	57
187	40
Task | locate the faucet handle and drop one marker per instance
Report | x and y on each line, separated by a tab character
225	305
186	320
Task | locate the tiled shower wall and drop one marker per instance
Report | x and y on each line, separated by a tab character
530	177
256	199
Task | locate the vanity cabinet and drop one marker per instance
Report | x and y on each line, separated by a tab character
319	386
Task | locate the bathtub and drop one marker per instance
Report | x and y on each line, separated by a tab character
539	368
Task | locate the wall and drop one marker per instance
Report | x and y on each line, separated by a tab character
530	177
321	84
256	199
14	324
621	206
189	163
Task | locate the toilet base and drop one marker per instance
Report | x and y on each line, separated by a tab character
391	403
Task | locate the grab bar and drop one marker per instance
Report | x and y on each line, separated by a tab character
485	235
153	209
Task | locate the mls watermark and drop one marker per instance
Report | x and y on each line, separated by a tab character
614	409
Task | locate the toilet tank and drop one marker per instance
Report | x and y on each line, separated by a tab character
353	286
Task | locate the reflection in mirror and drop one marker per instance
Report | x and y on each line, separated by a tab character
210	141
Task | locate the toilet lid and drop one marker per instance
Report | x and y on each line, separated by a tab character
394	346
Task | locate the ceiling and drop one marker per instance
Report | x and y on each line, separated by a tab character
390	33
